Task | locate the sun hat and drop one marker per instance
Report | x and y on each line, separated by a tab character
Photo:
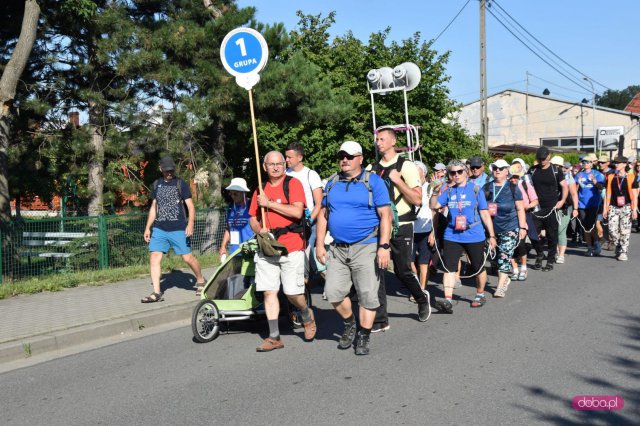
238	184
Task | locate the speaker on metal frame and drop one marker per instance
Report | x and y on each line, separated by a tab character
381	78
407	74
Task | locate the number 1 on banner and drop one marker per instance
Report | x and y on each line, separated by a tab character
243	49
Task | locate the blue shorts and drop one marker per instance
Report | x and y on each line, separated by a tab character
163	240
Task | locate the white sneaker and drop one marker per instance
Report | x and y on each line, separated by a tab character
560	260
623	257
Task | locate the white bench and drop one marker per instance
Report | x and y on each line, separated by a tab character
49	239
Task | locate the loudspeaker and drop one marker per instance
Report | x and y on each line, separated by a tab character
381	78
407	74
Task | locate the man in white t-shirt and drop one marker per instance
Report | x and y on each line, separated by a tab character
312	184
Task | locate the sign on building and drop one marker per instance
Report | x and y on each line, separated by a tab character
609	137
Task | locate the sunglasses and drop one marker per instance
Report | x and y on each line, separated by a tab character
456	172
343	155
475	167
495	169
602	162
586	162
515	177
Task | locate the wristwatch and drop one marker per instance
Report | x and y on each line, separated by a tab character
385	246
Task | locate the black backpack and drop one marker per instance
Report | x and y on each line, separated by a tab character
303	227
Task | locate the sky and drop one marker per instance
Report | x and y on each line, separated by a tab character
598	38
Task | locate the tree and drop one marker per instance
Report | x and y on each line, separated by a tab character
617	99
8	82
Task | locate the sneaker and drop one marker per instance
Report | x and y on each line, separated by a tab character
478	302
310	328
622	257
548	267
380	326
500	292
597	248
444	306
349	335
590	252
560	260
270	344
424	309
362	344
538	264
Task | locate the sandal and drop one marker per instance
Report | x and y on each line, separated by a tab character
500	292
522	276
515	275
478	302
152	298
200	288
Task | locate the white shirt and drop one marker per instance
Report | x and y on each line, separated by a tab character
424	221
310	181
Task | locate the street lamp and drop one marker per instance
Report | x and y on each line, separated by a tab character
593	104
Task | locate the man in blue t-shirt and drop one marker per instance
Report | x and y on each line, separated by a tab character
356	210
590	183
172	228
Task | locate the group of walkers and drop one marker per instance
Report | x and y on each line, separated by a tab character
364	217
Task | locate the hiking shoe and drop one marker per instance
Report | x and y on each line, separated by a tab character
380	326
444	306
478	301
424	309
349	335
270	344
310	326
538	264
597	248
623	257
548	267
362	344
560	260
590	252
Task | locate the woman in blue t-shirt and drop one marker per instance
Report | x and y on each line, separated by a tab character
506	209
467	211
237	229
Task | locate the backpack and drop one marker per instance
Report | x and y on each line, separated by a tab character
364	178
303	227
179	186
412	214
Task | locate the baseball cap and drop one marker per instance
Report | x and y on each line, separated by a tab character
621	159
238	184
556	160
567	165
439	166
475	161
351	148
500	163
604	158
591	157
542	153
166	164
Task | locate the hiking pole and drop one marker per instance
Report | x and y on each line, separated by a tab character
255	146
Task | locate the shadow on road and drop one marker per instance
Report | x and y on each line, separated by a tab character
629	326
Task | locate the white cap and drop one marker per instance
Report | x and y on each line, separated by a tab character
238	184
556	160
500	163
439	166
351	147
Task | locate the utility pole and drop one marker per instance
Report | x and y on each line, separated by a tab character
526	113
484	122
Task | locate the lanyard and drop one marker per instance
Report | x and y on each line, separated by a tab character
620	184
238	213
458	198
494	191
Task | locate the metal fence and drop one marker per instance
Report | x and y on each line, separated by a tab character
36	247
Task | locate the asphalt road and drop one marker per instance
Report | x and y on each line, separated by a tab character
520	360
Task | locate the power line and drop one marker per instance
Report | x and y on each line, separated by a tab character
557	85
450	22
536	53
543	45
475	92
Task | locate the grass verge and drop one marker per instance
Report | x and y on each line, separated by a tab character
58	282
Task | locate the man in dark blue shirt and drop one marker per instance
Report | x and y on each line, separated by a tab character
171	226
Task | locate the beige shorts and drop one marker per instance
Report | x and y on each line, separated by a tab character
288	270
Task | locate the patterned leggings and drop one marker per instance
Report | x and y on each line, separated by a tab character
506	244
620	226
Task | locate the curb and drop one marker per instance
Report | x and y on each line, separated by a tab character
28	347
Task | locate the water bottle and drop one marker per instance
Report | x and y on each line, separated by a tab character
223	258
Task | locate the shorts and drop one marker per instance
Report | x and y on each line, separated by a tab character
422	251
162	241
288	270
353	265
452	251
